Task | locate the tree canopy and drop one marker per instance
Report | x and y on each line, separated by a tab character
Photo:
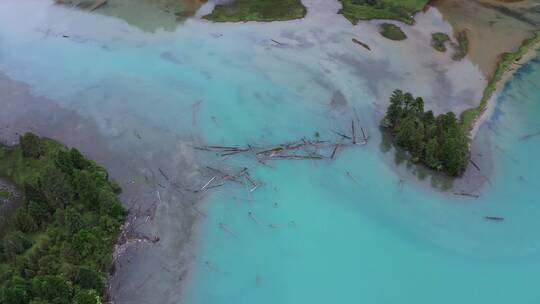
436	141
58	248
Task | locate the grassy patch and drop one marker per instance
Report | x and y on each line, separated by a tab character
258	10
392	32
462	47
468	117
25	169
401	10
439	40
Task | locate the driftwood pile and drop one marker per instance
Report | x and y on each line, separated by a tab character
299	149
129	235
302	149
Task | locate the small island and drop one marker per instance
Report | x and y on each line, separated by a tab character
435	141
439	40
57	247
392	32
257	10
462	47
400	10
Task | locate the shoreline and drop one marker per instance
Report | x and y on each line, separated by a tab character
26	112
499	86
472	119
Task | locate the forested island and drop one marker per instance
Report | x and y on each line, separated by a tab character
436	141
58	246
392	32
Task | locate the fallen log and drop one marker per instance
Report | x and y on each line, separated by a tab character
163	174
494	218
467	194
349	174
474	164
334	151
529	136
208	183
353	133
361	44
297	157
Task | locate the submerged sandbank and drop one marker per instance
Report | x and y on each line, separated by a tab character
493	27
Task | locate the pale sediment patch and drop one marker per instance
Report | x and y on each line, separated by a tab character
493	27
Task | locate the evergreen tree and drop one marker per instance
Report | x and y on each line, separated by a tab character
31	145
436	141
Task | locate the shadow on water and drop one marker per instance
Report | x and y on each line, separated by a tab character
437	180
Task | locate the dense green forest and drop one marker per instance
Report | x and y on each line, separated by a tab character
58	247
436	141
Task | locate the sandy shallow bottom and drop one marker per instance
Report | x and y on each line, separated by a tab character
493	27
138	102
151	15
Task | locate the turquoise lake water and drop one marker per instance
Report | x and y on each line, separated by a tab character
356	229
377	242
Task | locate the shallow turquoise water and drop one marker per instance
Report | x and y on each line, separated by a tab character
377	242
379	237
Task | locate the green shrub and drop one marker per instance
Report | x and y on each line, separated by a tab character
86	296
438	142
25	222
392	32
439	40
115	186
31	145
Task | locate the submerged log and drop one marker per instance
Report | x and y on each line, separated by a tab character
252	216
467	194
494	218
334	151
361	44
474	164
349	174
529	136
163	174
224	228
353	133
